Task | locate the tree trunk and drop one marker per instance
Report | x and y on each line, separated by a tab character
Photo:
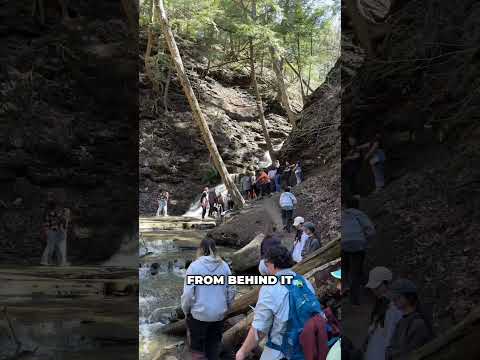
258	97
148	51
155	12
299	74
277	67
196	111
131	10
459	342
310	63
165	93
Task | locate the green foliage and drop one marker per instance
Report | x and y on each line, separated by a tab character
211	177
305	32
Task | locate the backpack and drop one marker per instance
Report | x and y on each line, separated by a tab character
303	304
332	327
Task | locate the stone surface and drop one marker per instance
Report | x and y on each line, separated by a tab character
68	125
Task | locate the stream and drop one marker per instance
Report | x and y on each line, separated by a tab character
165	253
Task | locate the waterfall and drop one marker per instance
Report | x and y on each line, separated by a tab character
196	209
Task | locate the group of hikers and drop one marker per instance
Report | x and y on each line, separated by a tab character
373	152
205	306
398	323
296	323
253	186
270	180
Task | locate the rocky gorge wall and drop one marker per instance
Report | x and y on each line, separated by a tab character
424	82
172	154
68	125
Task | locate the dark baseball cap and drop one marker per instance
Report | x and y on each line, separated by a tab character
403	286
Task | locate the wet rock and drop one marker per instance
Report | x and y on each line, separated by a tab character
158	316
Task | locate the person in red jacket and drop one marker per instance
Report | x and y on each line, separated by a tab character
314	338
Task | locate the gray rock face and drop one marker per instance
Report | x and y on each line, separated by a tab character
173	155
67	126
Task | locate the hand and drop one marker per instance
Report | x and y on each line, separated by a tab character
240	355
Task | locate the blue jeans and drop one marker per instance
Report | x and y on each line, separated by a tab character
278	183
56	244
379	174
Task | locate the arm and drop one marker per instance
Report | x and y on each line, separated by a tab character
230	290
354	156
249	344
262	322
294	200
372	150
67	217
364	146
367	226
392	317
188	294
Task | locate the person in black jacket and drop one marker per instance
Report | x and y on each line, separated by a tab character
414	329
269	241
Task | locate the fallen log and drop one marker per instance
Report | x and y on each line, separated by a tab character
248	256
237	333
242	305
314	272
460	342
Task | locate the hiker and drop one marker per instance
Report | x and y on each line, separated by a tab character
335	352
220	203
162	203
278	176
55	226
205	306
376	157
204	202
357	230
287	174
255	186
414	329
351	166
229	201
271	175
298	225
298	172
246	186
384	316
307	243
287	204
270	240
212	200
264	181
278	305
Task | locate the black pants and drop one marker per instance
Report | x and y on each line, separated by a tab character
204	212
352	263
287	216
205	337
212	209
265	189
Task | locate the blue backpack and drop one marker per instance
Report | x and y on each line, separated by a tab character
303	305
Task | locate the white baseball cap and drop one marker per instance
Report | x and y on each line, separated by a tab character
377	276
298	220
